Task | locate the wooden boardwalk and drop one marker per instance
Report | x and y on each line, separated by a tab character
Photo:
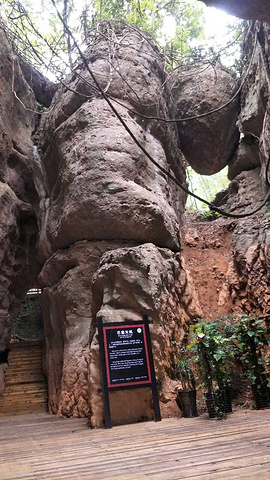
39	446
25	385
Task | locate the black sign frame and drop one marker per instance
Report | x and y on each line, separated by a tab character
107	382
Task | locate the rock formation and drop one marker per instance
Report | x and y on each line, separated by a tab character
246	157
249	275
129	283
108	220
109	216
43	88
17	193
208	142
107	176
247	281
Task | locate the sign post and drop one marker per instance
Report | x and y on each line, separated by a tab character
126	360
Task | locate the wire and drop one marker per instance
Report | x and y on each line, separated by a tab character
152	160
157	118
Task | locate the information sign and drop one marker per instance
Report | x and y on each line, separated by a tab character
126	360
126	355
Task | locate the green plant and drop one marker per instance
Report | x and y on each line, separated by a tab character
213	352
181	366
208	216
252	337
183	372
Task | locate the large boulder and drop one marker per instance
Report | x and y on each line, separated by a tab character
207	142
99	183
248	9
68	320
130	282
114	281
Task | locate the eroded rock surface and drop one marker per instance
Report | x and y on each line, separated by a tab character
207	142
93	169
43	88
130	282
247	157
249	274
119	216
18	227
67	306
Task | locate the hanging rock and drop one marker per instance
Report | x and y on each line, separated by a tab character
248	9
208	142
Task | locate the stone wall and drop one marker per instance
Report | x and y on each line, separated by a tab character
18	228
249	274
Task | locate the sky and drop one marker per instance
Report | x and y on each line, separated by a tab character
216	22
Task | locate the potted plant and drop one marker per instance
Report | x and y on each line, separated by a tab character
186	393
213	353
252	340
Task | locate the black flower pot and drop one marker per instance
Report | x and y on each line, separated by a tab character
226	400
218	403
260	396
186	401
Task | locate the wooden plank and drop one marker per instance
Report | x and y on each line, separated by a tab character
46	447
25	386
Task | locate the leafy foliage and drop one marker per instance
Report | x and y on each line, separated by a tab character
206	187
213	354
190	25
216	344
181	368
39	36
252	338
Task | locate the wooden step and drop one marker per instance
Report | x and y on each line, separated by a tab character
14	360
26	386
11	371
27	377
23	360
